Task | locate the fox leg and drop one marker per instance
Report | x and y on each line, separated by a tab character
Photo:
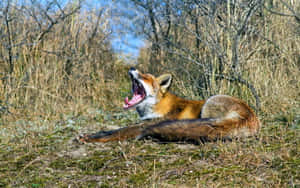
113	135
198	130
118	134
101	136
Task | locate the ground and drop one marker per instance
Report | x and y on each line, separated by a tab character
44	153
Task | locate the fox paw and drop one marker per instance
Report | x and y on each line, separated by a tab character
82	138
101	136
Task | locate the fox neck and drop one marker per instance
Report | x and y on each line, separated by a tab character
145	109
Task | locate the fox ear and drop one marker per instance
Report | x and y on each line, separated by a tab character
164	82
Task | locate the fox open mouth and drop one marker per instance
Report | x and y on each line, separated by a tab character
139	94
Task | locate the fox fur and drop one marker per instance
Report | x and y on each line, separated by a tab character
179	119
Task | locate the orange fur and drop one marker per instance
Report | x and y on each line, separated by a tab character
220	116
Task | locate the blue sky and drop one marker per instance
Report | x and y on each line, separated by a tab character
128	44
124	40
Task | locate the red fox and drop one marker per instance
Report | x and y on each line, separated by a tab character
219	117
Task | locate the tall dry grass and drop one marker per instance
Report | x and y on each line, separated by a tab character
71	69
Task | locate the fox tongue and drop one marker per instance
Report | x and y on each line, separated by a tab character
135	99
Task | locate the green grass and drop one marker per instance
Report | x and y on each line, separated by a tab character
50	157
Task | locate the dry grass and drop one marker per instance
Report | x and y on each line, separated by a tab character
40	158
69	71
65	85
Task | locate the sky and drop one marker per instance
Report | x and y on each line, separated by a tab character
124	41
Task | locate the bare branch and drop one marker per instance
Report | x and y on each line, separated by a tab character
61	17
96	25
294	14
9	48
254	5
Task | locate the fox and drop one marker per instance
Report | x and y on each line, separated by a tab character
168	117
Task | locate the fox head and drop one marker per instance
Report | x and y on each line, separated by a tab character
147	91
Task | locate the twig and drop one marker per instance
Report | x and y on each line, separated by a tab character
10	61
29	164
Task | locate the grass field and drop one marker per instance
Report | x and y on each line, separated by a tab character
43	153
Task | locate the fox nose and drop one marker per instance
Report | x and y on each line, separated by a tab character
131	71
